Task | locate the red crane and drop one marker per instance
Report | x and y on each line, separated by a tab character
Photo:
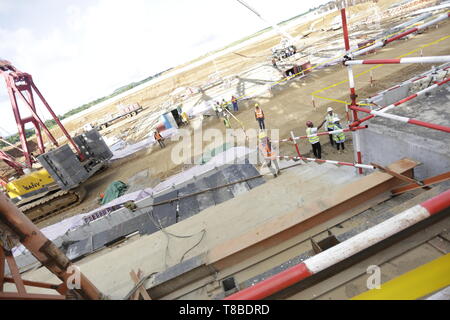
21	87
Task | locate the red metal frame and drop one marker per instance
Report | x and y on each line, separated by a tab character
11	162
20	87
42	249
16	279
353	95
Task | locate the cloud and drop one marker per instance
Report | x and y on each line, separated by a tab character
81	50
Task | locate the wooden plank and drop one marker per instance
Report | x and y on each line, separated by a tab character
29	296
141	290
15	273
397	175
2	268
426	183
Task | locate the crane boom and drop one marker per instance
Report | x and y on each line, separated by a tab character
274	25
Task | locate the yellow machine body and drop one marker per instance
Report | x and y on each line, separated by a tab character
31	182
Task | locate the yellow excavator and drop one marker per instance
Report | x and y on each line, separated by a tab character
47	181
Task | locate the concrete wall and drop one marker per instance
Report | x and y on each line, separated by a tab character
384	145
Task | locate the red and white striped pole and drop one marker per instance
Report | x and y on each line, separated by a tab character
349	164
415	95
345	249
294	139
433	59
353	96
324	133
403	119
382	43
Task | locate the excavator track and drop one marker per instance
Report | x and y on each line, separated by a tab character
53	204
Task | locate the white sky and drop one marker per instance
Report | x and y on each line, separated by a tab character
80	50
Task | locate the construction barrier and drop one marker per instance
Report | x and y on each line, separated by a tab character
435	59
323	134
349	164
415	95
402	119
345	249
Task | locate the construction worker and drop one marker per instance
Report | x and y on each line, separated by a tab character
259	116
235	104
215	107
269	155
225	105
330	122
185	117
226	121
339	138
315	141
159	138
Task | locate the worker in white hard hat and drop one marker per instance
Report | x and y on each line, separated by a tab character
259	116
329	118
268	153
339	138
314	140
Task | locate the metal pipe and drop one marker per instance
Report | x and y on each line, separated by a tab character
433	59
345	249
42	248
381	43
353	96
294	139
391	106
402	119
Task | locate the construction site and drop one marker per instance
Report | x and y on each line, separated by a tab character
226	178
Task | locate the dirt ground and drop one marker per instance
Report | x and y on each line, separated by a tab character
287	108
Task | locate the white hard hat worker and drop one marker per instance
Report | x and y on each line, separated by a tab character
330	109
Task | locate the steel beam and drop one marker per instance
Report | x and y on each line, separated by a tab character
426	183
285	227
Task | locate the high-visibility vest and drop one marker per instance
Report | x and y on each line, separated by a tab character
314	139
266	150
227	123
338	137
158	136
259	114
330	122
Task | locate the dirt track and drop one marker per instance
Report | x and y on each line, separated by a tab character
287	109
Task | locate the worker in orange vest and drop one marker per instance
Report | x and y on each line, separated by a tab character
259	116
160	139
269	155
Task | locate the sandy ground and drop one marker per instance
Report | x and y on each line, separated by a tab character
287	107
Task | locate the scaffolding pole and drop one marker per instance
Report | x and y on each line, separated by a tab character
403	119
345	249
353	96
391	106
327	133
382	43
433	59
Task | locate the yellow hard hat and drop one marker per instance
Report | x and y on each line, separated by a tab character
262	135
256	104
